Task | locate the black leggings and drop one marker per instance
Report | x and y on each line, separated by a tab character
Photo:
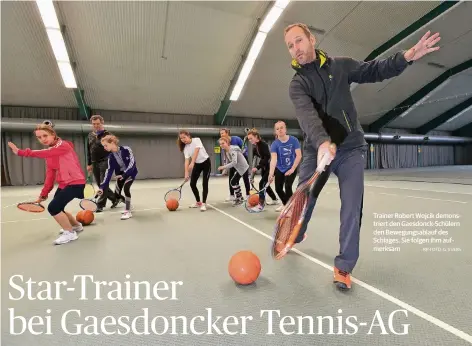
263	182
234	183
125	186
281	182
62	197
247	183
198	168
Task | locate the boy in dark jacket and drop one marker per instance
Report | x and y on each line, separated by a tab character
121	162
321	93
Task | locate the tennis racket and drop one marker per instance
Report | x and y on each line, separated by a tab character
292	216
89	190
175	193
31	207
258	207
89	203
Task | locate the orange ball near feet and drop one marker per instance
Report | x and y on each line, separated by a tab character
87	217
80	216
253	200
172	204
244	267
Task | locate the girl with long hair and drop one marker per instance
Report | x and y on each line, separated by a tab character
121	161
237	161
63	167
197	161
262	150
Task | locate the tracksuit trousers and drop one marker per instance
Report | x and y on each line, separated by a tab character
348	166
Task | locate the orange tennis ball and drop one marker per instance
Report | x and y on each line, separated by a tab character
244	267
87	217
172	204
253	200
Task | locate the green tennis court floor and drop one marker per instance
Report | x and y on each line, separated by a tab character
410	293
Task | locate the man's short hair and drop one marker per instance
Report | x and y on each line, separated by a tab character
97	117
302	26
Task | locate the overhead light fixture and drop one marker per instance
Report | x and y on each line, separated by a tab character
267	24
53	30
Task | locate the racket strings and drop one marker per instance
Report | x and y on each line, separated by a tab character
31	207
173	194
288	221
88	205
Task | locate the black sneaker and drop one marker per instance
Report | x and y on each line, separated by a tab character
99	210
117	201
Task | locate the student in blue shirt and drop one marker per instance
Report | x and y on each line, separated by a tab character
286	156
121	162
239	142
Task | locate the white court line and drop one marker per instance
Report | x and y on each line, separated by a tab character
413	189
48	218
380	293
433	199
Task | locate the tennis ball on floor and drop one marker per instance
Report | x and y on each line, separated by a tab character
172	204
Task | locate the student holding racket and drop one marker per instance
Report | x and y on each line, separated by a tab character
237	161
261	150
121	161
62	166
197	161
286	156
320	91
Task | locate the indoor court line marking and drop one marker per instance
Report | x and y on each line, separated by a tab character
433	199
424	190
380	293
47	218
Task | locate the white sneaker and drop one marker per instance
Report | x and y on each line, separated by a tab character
272	202
126	215
77	229
229	199
257	208
203	207
66	236
196	205
280	208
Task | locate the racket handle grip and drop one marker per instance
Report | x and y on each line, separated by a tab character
325	160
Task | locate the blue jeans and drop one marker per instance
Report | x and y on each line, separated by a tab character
348	166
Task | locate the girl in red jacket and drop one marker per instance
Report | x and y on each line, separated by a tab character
62	166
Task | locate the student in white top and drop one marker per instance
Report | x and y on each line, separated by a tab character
197	161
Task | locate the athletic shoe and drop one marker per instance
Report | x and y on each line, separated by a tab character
66	236
280	208
126	215
196	205
203	207
77	229
342	279
238	201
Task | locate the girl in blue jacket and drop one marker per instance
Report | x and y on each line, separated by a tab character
121	162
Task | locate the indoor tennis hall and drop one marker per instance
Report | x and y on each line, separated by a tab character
162	277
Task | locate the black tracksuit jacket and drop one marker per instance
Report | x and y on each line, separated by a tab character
320	92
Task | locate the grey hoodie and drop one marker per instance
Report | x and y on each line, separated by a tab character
237	158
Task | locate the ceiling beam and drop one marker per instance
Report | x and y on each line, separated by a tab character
465	131
428	17
441	119
399	109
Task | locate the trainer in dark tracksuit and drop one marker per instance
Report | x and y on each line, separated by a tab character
320	92
97	159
